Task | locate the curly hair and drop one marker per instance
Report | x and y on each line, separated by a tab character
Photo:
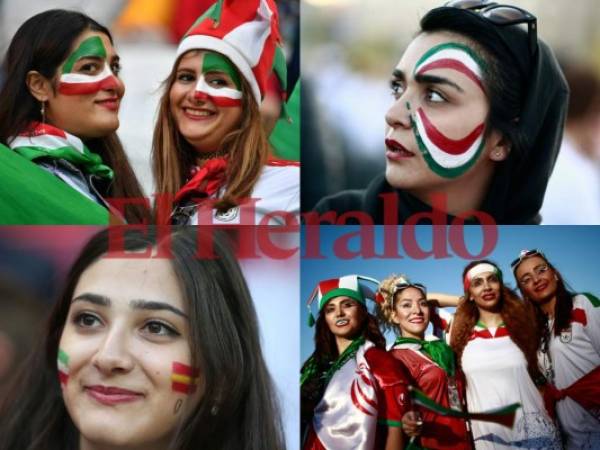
516	314
385	308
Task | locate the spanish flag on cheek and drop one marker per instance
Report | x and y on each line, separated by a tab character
184	378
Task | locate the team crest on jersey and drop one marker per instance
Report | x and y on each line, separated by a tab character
566	335
229	215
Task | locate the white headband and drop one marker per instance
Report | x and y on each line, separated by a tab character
479	269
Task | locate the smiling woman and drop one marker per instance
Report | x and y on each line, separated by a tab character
210	157
61	158
162	352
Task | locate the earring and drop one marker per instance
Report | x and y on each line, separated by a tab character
43	112
214	410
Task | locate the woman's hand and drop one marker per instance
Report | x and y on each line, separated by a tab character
412	424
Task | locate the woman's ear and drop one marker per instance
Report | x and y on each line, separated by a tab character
500	148
39	86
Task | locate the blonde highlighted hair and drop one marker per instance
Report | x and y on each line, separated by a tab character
385	308
173	157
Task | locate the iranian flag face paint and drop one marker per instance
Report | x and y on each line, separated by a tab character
73	83
448	157
216	74
184	378
63	367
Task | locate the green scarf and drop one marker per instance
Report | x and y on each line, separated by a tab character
438	351
311	368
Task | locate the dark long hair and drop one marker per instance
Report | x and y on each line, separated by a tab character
326	352
42	43
517	316
562	308
224	343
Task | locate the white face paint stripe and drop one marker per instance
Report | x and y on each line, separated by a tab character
459	55
77	78
479	269
441	157
203	86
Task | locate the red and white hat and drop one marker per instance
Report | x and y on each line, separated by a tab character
348	286
247	32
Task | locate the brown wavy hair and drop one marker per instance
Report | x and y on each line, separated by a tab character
173	157
385	309
516	314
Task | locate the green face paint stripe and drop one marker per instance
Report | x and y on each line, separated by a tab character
434	166
408	105
92	46
455	46
215	62
63	357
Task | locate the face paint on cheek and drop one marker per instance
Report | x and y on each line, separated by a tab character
83	84
184	378
63	368
220	96
446	157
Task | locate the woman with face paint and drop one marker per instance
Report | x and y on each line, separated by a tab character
430	364
569	325
210	153
352	393
475	123
495	346
61	159
152	353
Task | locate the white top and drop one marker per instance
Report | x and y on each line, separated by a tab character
574	355
496	375
277	189
573	193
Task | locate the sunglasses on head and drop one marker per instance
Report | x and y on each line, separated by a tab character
400	286
501	15
524	255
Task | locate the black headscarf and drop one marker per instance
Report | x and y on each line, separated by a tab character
517	189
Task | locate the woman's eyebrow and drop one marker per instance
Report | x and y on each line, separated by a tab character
96	299
432	79
156	306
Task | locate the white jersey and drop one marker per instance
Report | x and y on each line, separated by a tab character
496	374
575	353
277	189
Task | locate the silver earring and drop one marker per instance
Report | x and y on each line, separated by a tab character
214	410
43	112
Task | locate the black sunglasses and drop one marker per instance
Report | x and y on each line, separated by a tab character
524	255
502	15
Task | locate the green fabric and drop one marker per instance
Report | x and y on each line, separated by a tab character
215	62
343	358
88	162
29	195
438	351
390	423
92	46
338	292
593	299
285	138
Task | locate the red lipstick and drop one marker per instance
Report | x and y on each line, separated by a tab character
109	395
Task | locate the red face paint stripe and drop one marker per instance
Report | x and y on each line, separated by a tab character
183	369
88	88
451	146
183	388
223	102
452	64
63	377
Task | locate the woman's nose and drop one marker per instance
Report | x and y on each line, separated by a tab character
398	116
113	355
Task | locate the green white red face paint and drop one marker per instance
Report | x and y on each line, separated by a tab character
184	378
221	96
63	367
445	156
83	84
479	269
